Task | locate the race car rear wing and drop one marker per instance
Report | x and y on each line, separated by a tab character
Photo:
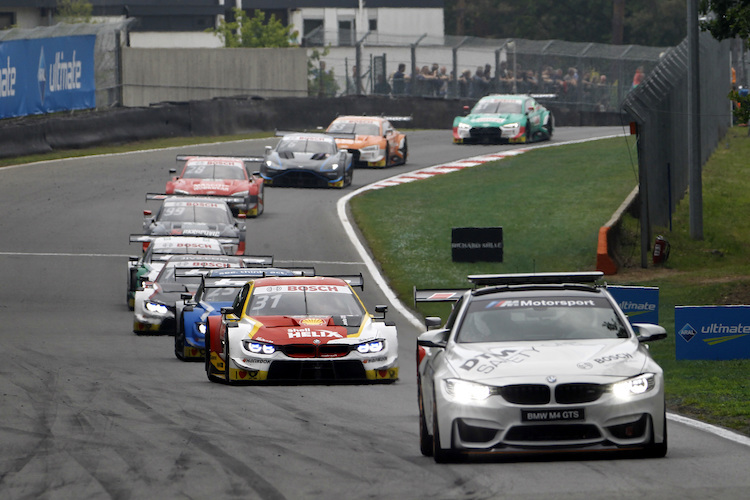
335	135
354	280
164	196
438	294
258	260
148	238
184	158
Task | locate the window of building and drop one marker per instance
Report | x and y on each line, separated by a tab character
372	25
312	32
347	32
7	20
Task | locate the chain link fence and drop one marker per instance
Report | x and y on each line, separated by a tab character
582	76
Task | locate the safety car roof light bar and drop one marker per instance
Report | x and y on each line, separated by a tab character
535	278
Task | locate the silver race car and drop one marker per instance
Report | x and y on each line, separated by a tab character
537	362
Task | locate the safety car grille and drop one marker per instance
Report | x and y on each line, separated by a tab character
578	393
316	370
316	351
526	394
555	432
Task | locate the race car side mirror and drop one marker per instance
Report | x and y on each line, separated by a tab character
173	171
268	150
147	213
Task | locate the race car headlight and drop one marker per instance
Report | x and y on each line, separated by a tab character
180	191
201	328
464	127
270	164
370	347
243	194
510	126
156	307
634	386
334	166
464	391
258	347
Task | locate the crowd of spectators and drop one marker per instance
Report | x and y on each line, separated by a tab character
436	81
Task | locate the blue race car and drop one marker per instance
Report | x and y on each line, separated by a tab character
218	289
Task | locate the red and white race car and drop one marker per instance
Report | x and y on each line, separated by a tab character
308	329
221	176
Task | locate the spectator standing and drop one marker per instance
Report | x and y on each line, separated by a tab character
399	79
638	77
381	86
479	85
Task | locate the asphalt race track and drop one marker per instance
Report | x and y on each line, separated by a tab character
90	410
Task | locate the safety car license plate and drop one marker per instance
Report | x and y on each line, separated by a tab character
561	415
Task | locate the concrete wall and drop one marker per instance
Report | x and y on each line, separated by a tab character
167	75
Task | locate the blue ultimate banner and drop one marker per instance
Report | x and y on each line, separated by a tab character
639	303
45	75
712	332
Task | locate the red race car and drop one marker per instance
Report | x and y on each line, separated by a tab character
225	177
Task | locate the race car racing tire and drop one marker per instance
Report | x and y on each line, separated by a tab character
179	341
348	178
404	152
550	125
209	374
440	455
425	439
657	450
227	380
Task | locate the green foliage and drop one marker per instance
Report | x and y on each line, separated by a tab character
740	106
255	31
726	18
74	11
320	81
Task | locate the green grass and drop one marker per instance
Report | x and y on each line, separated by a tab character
551	203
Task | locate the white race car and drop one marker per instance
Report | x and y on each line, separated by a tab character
304	329
537	362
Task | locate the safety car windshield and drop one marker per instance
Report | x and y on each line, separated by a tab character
542	318
498	107
337	301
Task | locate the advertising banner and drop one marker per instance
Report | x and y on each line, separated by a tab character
46	75
712	332
477	244
639	303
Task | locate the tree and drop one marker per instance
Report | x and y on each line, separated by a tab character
246	31
74	11
725	18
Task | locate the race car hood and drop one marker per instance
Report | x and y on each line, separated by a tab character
359	142
479	120
169	292
301	160
193	229
221	187
316	330
564	359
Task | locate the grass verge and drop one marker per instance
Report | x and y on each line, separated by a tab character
551	203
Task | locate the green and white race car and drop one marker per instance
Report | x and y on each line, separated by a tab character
504	119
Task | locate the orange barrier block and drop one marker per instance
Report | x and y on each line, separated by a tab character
604	262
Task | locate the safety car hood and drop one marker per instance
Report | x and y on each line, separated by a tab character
223	187
574	358
491	120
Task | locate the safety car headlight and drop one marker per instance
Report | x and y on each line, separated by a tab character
634	386
244	194
465	391
370	347
156	307
258	347
201	328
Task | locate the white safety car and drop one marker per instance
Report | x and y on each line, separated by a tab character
537	362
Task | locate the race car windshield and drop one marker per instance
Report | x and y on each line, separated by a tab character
225	294
498	107
230	172
206	212
297	301
167	274
305	146
358	128
534	319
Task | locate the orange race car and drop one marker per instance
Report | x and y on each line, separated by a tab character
376	144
